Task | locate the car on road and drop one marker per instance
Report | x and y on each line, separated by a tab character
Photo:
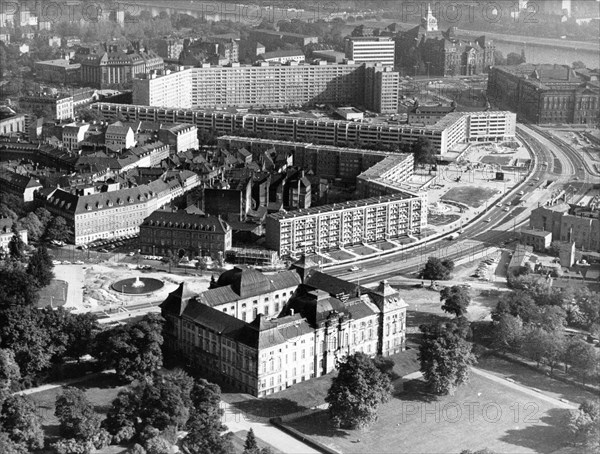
355	268
499	205
506	209
487	220
131	254
102	250
66	262
521	193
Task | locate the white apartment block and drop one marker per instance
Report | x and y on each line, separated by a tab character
164	88
347	224
181	137
449	131
371	49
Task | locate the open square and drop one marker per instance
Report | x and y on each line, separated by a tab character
472	196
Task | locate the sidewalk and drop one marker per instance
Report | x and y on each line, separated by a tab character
236	421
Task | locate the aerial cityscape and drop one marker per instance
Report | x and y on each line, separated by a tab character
352	227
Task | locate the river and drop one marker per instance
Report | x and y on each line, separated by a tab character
547	54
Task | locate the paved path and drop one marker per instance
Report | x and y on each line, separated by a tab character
74	276
236	421
510	384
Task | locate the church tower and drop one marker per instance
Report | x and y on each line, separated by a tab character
429	22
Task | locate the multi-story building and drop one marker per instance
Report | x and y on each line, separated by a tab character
428	115
22	186
11	122
57	71
73	135
283	56
180	137
346	224
570	224
112	66
274	39
184	234
371	49
116	213
427	50
168	48
59	106
164	88
119	136
451	130
382	88
538	239
6	233
264	334
546	93
386	177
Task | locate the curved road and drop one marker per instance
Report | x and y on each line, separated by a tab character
564	165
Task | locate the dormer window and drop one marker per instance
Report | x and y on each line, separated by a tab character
109	203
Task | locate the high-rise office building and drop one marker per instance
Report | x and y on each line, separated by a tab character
371	49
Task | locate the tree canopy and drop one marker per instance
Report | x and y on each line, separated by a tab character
445	357
456	299
40	266
357	391
437	270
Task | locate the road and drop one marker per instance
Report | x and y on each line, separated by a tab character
565	168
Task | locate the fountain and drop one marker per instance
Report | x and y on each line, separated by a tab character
138	283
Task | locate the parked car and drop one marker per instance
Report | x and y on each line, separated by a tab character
56	262
66	262
78	262
355	268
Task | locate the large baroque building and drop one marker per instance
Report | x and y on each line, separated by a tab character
546	93
427	50
265	333
453	129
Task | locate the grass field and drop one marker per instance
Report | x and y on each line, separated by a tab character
442	219
498	160
469	195
481	414
54	294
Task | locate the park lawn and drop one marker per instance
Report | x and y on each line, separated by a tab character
481	414
101	391
442	219
473	196
498	160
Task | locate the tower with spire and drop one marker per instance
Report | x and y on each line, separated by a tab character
429	22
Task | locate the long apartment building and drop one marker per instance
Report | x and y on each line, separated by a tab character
446	133
269	85
371	49
346	224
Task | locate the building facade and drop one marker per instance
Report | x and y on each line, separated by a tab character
180	137
23	186
346	224
164	88
263	334
6	233
371	49
184	234
12	124
546	93
59	107
451	130
118	136
57	71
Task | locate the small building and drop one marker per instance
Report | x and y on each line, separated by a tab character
184	234
11	123
428	115
539	239
22	186
350	113
331	56
6	233
118	136
181	137
73	134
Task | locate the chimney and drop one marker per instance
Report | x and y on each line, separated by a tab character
291	311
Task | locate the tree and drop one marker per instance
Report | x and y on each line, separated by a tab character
584	359
10	374
583	425
16	246
17	288
445	358
250	445
554	248
518	304
534	344
44	216
499	59
133	350
201	264
40	266
437	270
588	307
20	421
578	65
456	299
552	318
76	415
357	391
57	230
513	59
508	332
554	348
423	151
8	446
33	225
